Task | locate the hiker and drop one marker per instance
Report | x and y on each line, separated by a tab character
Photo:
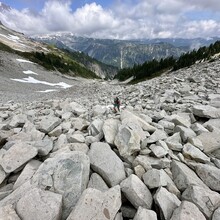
116	105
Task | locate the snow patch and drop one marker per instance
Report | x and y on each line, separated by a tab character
10	37
29	72
35	81
13	37
24	61
48	90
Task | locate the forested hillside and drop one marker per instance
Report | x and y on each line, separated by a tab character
155	68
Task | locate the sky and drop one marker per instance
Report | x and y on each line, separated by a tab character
115	19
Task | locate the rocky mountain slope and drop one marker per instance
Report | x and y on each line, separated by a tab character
71	157
77	62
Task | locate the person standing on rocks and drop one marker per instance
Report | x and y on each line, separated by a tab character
117	104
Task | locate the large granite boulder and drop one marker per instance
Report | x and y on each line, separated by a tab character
66	174
94	203
206	111
183	176
110	129
106	163
206	200
49	205
8	213
136	192
187	210
167	202
127	141
17	155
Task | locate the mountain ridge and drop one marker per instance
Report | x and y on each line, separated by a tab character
125	53
22	44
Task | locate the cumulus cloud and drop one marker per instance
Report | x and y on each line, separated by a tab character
124	20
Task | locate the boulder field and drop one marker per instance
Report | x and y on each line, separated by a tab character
158	158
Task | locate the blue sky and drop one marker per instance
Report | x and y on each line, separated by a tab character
37	5
118	19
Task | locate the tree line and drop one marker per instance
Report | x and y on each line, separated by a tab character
155	68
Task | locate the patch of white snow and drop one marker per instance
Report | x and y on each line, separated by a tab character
24	61
29	72
48	90
35	81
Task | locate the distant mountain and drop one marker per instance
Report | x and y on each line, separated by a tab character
193	43
4	7
155	68
123	54
73	63
118	53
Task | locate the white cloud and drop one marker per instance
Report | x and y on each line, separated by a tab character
124	20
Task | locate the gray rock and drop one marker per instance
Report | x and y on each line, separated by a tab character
212	122
136	192
106	163
206	111
48	123
157	136
5	190
61	142
77	108
17	121
4	136
97	182
132	117
178	120
41	205
80	124
168	126
158	151
167	202
210	140
14	197
127	141
148	162
33	134
183	176
17	155
210	175
139	171
128	211
206	200
174	142
27	173
99	110
187	210
102	205
135	126
155	178
95	127
196	142
66	174
56	132
76	138
110	129
185	133
194	153
44	146
118	216
216	214
78	147
198	128
146	214
8	213
2	175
